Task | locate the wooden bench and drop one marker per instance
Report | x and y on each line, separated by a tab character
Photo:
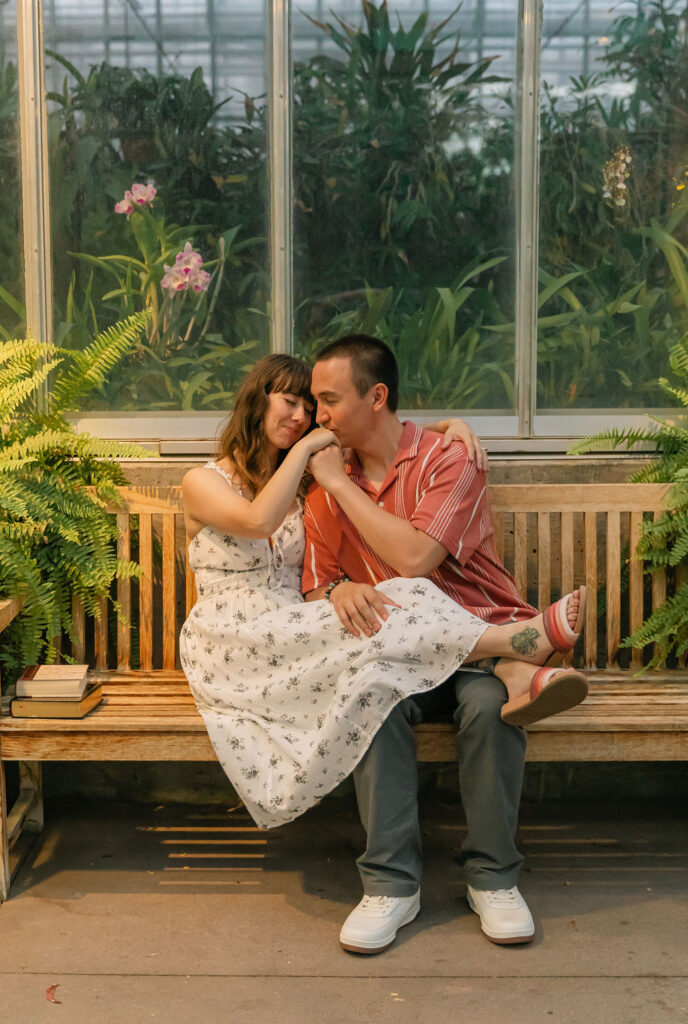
550	536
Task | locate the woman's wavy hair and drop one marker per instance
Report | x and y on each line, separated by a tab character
243	441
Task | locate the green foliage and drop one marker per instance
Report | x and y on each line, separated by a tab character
617	248
403	166
387	191
115	126
181	362
664	541
446	358
56	539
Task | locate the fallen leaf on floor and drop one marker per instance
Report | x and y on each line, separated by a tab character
572	924
50	994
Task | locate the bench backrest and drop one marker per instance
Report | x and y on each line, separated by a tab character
551	537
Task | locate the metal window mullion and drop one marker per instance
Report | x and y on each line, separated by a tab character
280	174
34	170
527	209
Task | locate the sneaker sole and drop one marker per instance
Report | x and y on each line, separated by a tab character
371	949
500	940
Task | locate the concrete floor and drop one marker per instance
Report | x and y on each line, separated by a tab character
187	914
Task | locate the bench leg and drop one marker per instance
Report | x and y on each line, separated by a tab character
31	784
25	816
5	877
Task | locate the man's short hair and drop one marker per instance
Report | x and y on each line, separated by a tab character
372	362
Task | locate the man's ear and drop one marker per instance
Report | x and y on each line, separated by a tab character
379	393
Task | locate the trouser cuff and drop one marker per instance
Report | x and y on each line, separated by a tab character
483	879
390	888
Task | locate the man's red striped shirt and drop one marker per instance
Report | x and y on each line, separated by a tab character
440	492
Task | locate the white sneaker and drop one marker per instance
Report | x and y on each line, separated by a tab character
504	914
372	926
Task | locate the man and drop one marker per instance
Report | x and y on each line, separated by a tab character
425	512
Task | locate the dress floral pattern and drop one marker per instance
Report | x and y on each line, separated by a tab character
290	699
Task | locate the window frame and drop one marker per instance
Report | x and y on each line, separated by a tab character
523	429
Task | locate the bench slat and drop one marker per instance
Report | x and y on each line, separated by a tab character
544	559
575	497
101	634
79	626
169	625
590	520
124	593
520	551
613	616
635	579
658	580
146	590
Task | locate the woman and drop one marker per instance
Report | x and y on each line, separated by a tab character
290	698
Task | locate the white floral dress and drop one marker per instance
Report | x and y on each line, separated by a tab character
290	699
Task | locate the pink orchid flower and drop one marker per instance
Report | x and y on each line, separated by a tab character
186	273
138	195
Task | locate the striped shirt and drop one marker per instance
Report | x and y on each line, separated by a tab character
440	492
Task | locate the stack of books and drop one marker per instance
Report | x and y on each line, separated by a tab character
55	691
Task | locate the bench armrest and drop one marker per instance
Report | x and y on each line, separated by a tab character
9	609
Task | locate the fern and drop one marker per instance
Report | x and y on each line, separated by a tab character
56	538
664	542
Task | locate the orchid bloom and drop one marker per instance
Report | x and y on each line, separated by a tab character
174	280
124	206
138	195
186	272
142	195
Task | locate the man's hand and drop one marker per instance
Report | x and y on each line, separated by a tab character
360	607
327	466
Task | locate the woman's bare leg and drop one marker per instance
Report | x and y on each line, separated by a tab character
525	640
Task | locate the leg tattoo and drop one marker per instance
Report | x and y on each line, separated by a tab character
525	642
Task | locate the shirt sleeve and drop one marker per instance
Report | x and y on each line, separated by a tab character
321	565
453	507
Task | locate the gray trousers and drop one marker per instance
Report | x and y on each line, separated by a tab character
491	756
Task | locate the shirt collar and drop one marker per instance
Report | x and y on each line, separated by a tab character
408	449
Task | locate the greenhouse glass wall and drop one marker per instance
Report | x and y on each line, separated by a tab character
497	190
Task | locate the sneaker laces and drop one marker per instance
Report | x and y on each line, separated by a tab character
375	903
503	897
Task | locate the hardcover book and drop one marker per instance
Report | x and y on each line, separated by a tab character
36	707
53	681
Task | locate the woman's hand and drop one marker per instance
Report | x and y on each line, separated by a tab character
318	439
457	430
327	466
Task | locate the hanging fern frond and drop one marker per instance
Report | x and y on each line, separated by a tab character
664	542
56	538
92	365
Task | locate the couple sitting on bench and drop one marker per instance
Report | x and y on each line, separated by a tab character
407	607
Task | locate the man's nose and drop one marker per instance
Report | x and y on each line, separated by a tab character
321	416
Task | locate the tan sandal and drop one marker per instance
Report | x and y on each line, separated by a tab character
552	690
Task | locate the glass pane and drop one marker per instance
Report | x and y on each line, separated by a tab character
12	318
614	162
168	95
403	161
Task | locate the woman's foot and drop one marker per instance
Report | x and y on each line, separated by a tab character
546	638
540	694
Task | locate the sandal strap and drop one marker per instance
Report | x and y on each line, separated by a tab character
557	629
542	679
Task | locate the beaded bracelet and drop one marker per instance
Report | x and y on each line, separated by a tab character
335	583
